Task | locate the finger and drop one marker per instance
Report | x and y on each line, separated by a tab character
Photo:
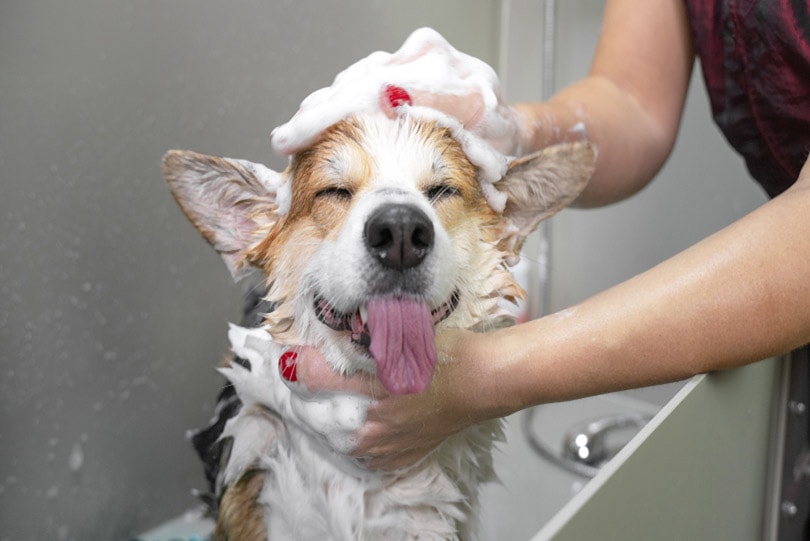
392	97
395	461
316	375
377	449
467	109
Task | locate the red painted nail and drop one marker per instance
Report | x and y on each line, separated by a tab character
286	364
396	96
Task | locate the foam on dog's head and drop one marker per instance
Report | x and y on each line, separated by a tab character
425	62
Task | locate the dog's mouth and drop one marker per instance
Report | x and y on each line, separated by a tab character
398	332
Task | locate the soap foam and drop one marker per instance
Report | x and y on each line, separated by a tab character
425	63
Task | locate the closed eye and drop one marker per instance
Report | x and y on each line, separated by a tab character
335	192
441	192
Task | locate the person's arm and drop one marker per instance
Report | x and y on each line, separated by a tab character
736	297
739	296
630	102
630	105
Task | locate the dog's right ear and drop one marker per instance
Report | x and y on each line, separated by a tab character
541	184
233	203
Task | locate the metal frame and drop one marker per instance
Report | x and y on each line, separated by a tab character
787	517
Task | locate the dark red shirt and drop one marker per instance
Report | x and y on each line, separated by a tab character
755	56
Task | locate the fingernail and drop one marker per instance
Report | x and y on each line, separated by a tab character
396	96
286	365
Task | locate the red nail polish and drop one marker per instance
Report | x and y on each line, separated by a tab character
286	364
396	96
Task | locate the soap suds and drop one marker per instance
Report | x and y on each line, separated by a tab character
426	63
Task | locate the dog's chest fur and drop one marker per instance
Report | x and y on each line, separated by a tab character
309	492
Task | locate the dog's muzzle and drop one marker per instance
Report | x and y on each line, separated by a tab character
395	324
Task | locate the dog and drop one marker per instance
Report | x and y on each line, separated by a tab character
375	236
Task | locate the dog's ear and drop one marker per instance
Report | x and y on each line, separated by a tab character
233	203
540	185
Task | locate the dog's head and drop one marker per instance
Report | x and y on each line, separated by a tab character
375	235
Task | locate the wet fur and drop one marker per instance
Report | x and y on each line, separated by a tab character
284	475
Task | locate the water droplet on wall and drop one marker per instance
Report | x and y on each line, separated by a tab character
76	458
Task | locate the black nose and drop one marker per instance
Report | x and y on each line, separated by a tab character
399	236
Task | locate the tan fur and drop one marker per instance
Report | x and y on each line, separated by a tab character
241	516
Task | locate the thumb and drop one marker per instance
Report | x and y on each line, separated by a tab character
317	375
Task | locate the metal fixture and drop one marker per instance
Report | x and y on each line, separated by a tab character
587	445
794	516
588	442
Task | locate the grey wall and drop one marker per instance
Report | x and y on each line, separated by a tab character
112	310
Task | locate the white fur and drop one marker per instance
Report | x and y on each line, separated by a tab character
314	492
333	417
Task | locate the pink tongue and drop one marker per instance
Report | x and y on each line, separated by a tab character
402	343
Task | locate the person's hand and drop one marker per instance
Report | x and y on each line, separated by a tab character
399	430
425	73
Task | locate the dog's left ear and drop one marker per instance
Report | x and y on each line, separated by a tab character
233	203
540	185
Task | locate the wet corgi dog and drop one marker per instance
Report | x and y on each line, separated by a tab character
372	238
